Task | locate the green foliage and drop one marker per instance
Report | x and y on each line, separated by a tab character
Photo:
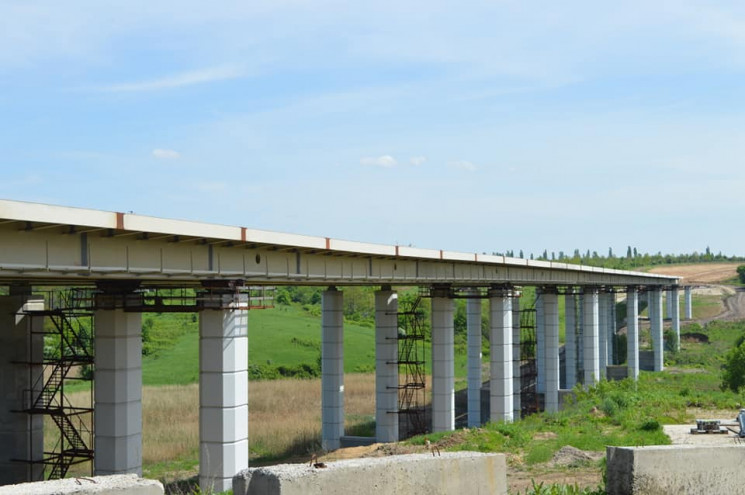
741	273
733	374
559	489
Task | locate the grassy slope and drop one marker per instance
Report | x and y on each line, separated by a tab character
285	336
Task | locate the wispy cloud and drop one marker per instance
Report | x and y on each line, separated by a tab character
164	154
417	160
463	165
385	161
190	78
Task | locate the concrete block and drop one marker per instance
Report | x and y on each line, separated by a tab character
453	472
122	484
658	470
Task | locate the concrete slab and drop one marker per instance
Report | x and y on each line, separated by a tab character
452	472
692	469
120	484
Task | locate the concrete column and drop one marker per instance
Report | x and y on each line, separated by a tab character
332	369
675	298
540	339
118	392
612	328
590	337
386	366
551	324
21	435
500	384
223	395
668	304
570	345
580	336
656	328
443	358
688	302
516	357
603	332
632	332
473	323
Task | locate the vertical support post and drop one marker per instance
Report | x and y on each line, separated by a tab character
21	434
516	357
688	302
223	390
570	333
632	332
612	327
590	337
675	297
443	358
668	304
473	324
500	386
332	369
551	323
655	315
540	338
386	365
118	392
603	332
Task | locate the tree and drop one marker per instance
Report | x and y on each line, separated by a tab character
741	273
733	376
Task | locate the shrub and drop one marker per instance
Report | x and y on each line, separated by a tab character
733	376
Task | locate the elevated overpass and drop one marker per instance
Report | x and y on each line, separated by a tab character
122	255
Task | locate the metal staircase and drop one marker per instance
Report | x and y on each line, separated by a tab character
71	331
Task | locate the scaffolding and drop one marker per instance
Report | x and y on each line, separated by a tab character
67	331
529	400
411	396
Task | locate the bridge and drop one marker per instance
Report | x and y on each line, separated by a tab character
125	264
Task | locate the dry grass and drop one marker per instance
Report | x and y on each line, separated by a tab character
284	421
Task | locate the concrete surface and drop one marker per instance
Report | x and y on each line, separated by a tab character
120	484
689	469
452	473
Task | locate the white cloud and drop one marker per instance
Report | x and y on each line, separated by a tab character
162	154
182	79
385	161
417	160
463	165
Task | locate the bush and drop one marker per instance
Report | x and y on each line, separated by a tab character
741	273
733	376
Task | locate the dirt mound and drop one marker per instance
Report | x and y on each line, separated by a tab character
694	337
572	456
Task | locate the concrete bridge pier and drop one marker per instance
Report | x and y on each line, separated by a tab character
540	343
688	290
603	331
223	390
551	348
590	339
570	333
21	435
500	383
675	298
332	369
632	332
655	319
443	361
516	361
473	325
386	367
118	385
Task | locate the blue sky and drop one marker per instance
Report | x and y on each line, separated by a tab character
475	126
